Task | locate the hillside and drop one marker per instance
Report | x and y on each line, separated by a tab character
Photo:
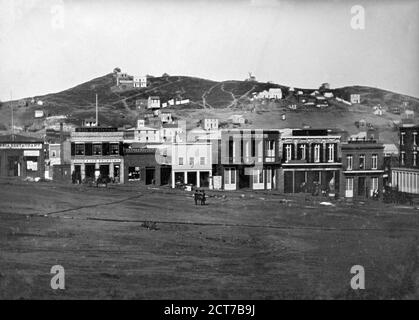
207	99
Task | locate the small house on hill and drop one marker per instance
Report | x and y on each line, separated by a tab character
237	119
153	102
355	98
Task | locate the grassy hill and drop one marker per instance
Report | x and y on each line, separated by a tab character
208	99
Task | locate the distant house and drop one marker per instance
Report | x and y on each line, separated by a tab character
153	102
237	119
321	102
328	94
89	122
141	103
272	93
40	103
39	113
166	117
275	93
140	81
355	98
408	114
210	124
378	110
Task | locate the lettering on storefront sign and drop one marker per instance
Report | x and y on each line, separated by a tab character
96	161
20	145
31	153
140	150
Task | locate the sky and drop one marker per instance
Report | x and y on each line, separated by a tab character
51	45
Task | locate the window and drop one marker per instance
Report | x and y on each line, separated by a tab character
402	158
97	149
402	138
414	138
288	150
415	158
79	149
349	184
31	163
362	161
331	157
374	164
202	161
349	162
191	161
374	184
257	176
317	153
180	161
114	148
229	176
303	151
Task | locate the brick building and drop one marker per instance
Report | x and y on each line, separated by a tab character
363	168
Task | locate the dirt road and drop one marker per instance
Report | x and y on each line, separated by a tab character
241	246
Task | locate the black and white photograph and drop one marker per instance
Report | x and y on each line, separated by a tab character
223	151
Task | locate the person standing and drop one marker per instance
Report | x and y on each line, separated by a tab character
203	198
196	196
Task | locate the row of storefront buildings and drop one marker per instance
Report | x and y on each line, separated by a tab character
318	161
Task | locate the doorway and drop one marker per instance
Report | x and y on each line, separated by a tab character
13	166
149	175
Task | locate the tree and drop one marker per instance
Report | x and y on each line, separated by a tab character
116	70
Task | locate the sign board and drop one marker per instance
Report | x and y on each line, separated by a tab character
77	161
20	145
217	182
31	153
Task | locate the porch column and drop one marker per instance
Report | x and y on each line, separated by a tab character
309	152
295	150
111	170
185	177
198	179
83	171
324	152
293	181
173	179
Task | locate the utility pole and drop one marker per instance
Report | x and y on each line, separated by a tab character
97	113
13	125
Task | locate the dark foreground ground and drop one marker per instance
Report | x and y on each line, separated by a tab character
242	245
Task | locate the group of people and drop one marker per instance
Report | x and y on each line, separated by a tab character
199	196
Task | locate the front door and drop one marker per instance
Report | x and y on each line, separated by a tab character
13	166
349	188
269	178
230	179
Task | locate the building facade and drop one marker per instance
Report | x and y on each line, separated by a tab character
363	168
145	165
97	151
249	159
21	156
405	177
310	161
191	163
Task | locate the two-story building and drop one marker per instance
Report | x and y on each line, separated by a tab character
310	159
97	151
363	168
405	177
249	158
191	163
